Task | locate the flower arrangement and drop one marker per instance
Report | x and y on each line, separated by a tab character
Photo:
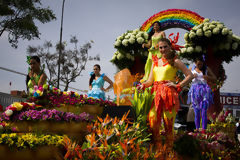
19	106
224	122
216	145
7	128
53	97
21	141
225	43
49	115
112	139
129	46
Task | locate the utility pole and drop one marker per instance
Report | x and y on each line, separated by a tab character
60	48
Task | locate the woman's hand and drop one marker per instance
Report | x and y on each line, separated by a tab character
195	75
206	77
30	74
171	84
143	45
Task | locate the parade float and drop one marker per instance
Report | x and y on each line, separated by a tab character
65	125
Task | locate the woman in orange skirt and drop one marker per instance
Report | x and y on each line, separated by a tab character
166	101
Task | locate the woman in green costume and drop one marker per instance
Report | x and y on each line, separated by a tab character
36	76
154	36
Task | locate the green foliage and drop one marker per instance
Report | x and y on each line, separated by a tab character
142	102
18	18
187	146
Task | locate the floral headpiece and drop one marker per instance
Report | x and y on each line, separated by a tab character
174	41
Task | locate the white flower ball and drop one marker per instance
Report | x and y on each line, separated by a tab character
117	43
190	49
145	35
206	20
208	33
114	57
133	36
183	50
139	34
236	38
195	28
192	35
120	56
140	40
214	22
127	36
234	45
198	49
205	28
225	31
137	30
131	40
216	30
8	112
220	26
186	36
199	32
125	42
120	38
212	26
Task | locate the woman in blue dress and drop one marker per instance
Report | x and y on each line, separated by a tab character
96	83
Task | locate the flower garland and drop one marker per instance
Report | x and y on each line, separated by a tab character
50	115
54	97
19	106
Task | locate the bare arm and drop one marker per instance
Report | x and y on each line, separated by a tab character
188	74
90	87
110	83
149	82
147	45
42	79
210	75
163	34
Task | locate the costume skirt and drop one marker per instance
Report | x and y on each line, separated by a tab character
200	95
166	98
97	93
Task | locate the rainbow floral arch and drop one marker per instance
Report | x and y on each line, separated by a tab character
173	18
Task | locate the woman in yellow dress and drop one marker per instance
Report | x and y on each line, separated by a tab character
36	76
154	36
166	101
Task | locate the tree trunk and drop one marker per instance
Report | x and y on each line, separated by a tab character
214	63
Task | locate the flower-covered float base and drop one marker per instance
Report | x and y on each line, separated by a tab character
28	146
74	130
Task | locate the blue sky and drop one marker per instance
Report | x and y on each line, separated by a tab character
104	20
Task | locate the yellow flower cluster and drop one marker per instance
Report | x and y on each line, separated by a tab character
30	140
